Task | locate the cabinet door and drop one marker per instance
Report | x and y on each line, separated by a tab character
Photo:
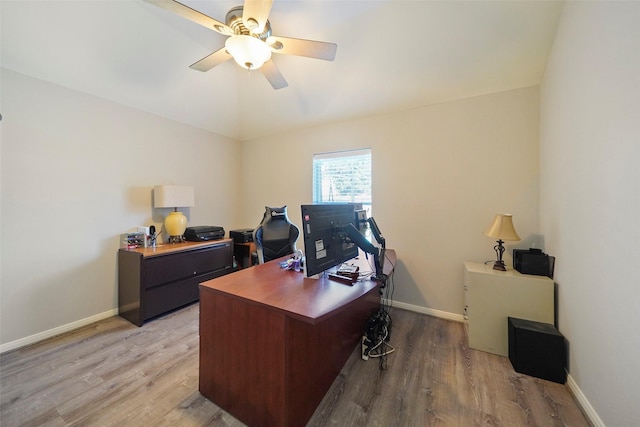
493	296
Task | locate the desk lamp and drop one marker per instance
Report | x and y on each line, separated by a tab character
501	229
173	196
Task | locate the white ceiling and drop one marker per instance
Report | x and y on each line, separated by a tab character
392	55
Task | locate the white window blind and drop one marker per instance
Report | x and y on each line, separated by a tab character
343	177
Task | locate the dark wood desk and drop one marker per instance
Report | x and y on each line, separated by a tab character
272	341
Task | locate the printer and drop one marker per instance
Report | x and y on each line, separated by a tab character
202	233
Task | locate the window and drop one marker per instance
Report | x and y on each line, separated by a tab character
343	177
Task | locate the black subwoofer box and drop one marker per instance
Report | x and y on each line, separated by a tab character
537	349
243	235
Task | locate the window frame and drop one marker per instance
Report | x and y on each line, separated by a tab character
317	161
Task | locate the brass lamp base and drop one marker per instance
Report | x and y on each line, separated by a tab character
175	224
499	265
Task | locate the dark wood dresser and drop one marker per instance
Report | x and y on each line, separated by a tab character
154	281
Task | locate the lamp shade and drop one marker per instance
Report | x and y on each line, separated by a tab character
172	196
502	228
249	52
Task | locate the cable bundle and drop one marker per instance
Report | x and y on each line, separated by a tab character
375	341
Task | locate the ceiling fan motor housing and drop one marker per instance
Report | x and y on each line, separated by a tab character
235	22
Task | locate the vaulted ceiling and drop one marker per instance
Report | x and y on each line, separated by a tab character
392	55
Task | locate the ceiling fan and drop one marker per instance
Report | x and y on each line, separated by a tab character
250	41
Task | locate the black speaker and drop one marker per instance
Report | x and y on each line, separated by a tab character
533	261
537	349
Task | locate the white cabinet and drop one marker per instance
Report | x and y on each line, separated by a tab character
490	296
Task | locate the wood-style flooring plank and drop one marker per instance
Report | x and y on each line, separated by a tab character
113	373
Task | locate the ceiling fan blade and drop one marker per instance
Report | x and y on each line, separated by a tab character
300	47
210	61
273	74
255	14
192	15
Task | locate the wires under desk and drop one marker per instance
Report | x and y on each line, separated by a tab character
375	341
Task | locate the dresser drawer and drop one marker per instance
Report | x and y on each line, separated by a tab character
167	297
154	281
164	298
170	268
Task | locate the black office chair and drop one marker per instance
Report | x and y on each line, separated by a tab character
276	236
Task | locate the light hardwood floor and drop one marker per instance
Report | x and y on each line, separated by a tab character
113	373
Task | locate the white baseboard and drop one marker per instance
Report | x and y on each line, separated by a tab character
584	404
436	313
32	339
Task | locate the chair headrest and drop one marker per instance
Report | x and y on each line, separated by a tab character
271	214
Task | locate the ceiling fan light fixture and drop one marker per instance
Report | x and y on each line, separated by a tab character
249	52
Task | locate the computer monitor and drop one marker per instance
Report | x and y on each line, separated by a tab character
326	244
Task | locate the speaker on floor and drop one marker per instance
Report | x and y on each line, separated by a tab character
537	349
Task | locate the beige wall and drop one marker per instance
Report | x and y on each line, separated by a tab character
440	173
76	172
590	199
